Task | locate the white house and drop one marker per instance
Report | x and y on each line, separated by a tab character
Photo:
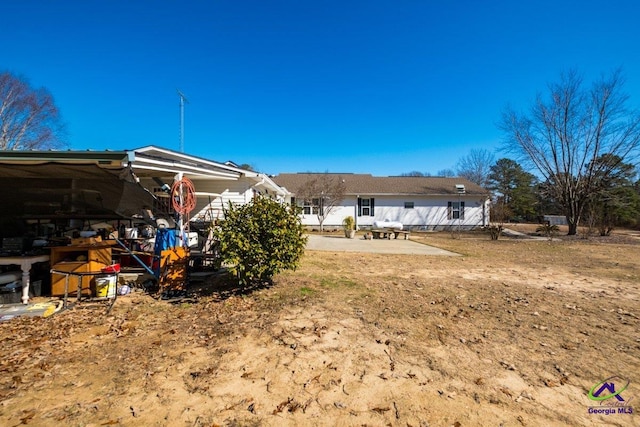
419	203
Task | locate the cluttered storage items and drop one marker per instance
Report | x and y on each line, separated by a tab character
100	259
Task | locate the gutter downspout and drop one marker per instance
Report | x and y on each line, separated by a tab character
355	212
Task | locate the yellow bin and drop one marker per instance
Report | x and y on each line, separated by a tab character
106	286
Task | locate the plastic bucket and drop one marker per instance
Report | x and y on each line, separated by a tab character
113	268
35	289
106	286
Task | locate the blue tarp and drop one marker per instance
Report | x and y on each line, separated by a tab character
165	239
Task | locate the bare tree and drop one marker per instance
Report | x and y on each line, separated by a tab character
323	192
415	173
476	166
29	118
446	173
565	133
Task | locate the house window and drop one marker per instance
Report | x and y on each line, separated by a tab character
455	210
408	205
310	206
365	207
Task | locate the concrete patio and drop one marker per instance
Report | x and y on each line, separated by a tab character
339	243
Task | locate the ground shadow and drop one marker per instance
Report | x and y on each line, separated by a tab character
224	285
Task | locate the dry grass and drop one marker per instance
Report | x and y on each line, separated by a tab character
514	332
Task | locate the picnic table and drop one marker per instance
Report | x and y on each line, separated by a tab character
389	233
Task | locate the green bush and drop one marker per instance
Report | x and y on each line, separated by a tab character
260	239
550	231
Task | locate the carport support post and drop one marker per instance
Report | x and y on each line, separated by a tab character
180	241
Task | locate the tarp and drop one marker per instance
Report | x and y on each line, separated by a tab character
54	190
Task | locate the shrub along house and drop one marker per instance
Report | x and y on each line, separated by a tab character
419	203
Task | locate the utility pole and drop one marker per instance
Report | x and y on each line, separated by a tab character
183	99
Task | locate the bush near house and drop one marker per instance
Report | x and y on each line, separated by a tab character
260	239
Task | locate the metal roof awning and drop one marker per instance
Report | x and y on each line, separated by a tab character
145	162
158	162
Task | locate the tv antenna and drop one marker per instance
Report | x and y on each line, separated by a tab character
183	99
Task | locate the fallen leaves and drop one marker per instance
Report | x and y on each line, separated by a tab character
27	416
291	405
507	365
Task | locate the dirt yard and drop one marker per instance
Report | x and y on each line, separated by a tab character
512	333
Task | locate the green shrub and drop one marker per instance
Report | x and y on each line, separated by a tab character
260	239
550	231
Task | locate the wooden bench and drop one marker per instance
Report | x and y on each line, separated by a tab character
389	233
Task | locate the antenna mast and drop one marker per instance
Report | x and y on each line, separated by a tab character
183	99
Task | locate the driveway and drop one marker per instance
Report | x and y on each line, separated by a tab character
339	243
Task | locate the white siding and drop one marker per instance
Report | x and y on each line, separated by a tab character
428	213
210	208
348	208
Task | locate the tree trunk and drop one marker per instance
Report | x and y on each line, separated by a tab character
573	216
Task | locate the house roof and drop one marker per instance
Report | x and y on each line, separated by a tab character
152	161
149	160
367	184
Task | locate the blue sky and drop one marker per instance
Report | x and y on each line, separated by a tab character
381	87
